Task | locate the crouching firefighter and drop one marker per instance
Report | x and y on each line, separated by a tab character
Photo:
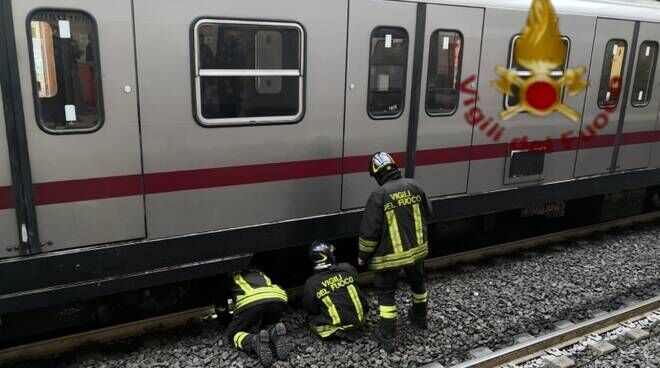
332	299
393	236
255	327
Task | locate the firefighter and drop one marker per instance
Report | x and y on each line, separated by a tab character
332	299
255	328
393	236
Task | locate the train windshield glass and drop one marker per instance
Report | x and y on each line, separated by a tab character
444	74
524	73
65	71
610	79
644	73
388	58
248	72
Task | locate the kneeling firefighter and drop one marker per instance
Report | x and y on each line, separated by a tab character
258	306
335	305
393	236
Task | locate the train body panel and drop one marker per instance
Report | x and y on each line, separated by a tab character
643	102
596	147
376	64
654	161
107	140
175	213
491	173
637	10
443	136
174	144
9	245
214	130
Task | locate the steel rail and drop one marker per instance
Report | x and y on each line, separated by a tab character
132	329
558	337
63	344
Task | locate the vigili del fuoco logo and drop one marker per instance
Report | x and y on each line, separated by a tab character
540	49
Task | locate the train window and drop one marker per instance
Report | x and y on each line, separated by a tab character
643	82
65	71
444	74
610	79
248	72
524	73
388	58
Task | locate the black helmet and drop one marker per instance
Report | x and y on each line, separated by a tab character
381	165
322	255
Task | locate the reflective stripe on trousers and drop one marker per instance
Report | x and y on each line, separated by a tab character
238	339
387	311
420	298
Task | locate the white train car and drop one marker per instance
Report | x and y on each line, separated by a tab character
146	142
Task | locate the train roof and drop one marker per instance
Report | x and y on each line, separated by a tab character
642	10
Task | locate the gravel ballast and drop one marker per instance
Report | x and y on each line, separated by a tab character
470	306
643	354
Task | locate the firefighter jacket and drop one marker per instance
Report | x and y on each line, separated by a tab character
333	300
393	232
249	288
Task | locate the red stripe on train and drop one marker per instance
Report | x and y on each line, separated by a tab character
164	182
87	189
640	137
6	198
236	175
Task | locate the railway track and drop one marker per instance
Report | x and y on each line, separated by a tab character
587	333
63	344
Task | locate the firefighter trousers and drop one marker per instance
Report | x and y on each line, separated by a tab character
251	319
386	283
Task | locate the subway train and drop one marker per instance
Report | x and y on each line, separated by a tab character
150	142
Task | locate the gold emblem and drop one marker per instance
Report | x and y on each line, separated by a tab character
541	50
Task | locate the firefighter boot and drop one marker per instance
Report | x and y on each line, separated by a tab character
280	340
349	335
259	345
384	334
417	315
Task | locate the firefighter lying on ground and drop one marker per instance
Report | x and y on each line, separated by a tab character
332	299
255	327
393	236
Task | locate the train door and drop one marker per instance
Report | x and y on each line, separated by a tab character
637	134
378	79
609	61
77	72
9	244
451	54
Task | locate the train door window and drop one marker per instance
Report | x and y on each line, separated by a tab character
388	59
610	79
65	71
248	72
644	74
444	74
524	73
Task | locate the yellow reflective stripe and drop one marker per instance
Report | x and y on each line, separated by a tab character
352	291
417	214
268	292
367	246
387	311
395	237
332	310
399	260
420	298
326	330
240	281
238	339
